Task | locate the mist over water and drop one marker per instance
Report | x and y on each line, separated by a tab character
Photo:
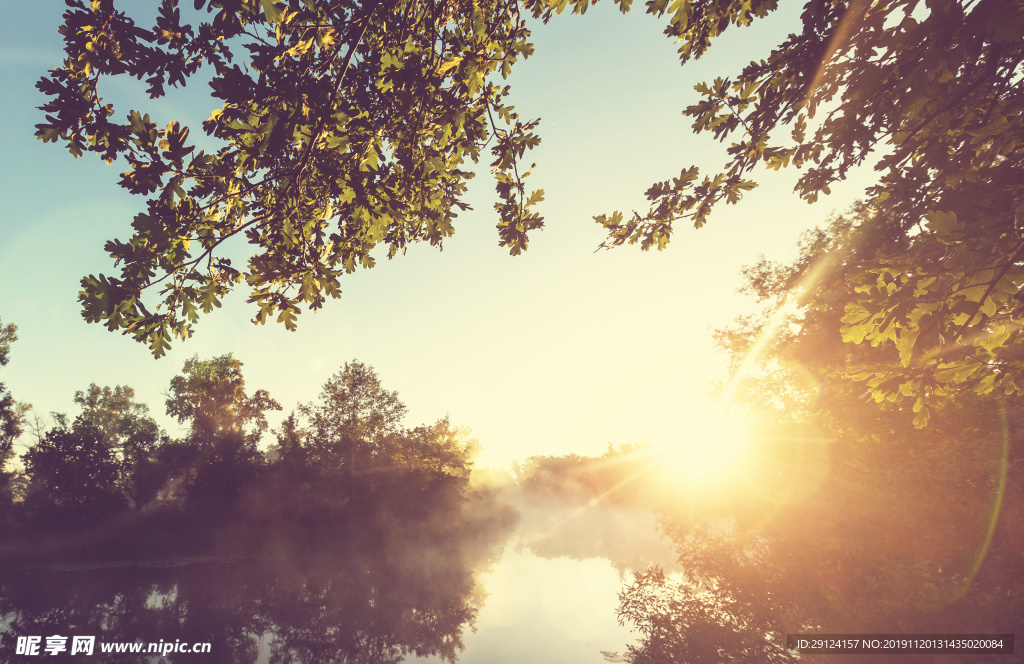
422	573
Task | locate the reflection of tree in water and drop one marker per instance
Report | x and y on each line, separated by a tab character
395	581
704	618
628	537
355	540
584	507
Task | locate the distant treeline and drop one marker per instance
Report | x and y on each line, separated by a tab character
607	479
627	475
110	468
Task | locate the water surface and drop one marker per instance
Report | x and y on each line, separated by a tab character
466	578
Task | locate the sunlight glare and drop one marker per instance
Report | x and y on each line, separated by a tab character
709	447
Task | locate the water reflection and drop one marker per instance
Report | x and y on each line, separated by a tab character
546	611
428	570
376	583
627	537
352	539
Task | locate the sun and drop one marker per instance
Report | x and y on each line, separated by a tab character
710	445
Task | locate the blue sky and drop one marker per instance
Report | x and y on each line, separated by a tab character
559	350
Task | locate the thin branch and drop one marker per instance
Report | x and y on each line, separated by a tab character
1013	260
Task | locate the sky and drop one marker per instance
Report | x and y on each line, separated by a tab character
560	350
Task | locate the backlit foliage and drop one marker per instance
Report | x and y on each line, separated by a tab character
341	126
931	95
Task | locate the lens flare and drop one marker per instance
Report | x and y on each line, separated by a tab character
710	445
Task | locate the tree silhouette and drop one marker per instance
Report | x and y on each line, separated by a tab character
219	455
126	427
210	396
353	424
12	421
73	475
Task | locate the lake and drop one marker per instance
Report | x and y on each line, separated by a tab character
486	579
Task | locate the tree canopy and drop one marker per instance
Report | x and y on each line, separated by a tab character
354	418
210	395
344	126
72	472
121	421
931	97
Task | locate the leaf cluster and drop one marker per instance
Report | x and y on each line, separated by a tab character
931	95
927	319
933	90
344	126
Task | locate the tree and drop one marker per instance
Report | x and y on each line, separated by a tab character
73	474
219	455
127	429
290	438
121	421
356	420
210	395
852	519
12	415
440	447
348	126
933	94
